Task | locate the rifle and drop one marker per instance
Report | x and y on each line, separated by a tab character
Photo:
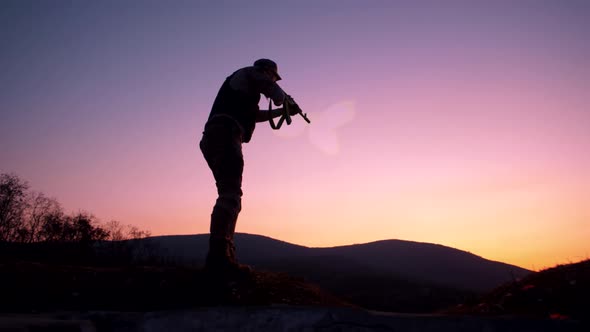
286	116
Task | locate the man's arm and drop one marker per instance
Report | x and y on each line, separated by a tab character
262	116
293	108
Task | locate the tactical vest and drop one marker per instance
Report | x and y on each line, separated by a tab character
240	106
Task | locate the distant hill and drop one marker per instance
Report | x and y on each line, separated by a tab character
404	260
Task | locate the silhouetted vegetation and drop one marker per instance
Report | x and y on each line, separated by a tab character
560	292
35	227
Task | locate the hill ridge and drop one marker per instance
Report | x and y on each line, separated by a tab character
403	259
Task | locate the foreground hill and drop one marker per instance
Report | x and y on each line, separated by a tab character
42	287
561	292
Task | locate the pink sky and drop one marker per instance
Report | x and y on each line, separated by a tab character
464	124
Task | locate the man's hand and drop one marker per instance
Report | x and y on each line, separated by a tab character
294	109
290	105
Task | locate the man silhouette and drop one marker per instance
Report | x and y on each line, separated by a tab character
231	122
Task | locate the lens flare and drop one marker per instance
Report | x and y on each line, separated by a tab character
325	125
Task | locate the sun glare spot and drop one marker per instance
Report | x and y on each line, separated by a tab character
323	131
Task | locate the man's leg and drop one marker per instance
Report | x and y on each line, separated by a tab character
223	153
223	222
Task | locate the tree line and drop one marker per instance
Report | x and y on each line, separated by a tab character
29	216
32	219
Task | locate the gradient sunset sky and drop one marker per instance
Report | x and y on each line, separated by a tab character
462	123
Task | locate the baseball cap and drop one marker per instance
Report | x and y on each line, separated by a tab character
268	64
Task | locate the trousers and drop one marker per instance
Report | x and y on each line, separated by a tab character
221	146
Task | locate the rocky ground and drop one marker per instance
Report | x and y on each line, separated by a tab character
37	287
46	297
276	318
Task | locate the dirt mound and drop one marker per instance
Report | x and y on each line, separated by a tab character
30	287
561	292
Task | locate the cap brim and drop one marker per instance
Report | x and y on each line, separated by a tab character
274	71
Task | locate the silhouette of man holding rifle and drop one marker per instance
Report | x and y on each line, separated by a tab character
231	122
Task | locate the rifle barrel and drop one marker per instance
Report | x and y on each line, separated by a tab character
304	115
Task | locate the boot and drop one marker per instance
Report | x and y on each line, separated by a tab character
221	258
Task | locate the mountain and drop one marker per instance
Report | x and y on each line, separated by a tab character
404	260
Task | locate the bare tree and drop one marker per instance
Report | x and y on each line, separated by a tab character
82	227
120	232
12	206
116	230
52	228
40	208
135	233
123	241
